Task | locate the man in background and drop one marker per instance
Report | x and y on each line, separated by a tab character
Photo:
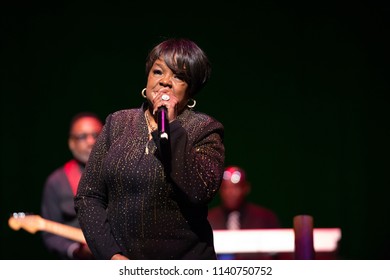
236	212
61	186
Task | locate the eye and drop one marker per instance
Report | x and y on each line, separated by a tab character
157	71
179	77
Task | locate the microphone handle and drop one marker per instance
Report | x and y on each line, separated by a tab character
162	122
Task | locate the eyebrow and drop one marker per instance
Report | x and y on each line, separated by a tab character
159	63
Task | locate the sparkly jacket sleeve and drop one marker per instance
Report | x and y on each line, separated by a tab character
197	156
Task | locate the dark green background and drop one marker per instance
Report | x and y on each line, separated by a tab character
302	90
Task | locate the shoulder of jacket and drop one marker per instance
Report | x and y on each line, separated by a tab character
195	117
125	113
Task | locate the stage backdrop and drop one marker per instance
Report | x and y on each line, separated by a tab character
302	91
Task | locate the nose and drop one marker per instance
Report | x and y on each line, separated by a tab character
91	139
166	81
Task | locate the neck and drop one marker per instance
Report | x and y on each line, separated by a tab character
82	164
150	121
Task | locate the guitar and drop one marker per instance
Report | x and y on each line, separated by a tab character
34	223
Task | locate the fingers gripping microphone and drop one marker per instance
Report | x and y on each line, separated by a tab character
163	123
164	143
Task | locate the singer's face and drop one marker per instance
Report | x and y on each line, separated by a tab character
161	79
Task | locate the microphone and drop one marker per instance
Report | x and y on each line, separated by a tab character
163	123
164	143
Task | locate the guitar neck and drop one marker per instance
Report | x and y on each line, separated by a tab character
66	231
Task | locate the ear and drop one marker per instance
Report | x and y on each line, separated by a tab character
71	144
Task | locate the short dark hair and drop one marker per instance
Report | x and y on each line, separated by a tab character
80	116
185	58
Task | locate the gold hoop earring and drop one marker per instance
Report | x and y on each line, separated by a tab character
193	103
143	93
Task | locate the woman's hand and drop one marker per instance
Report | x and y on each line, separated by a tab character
168	100
119	257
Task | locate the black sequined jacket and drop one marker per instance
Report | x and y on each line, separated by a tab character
135	200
